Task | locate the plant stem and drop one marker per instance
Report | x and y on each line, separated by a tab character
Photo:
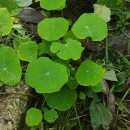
106	52
78	118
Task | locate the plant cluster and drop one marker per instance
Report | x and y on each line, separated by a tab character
50	70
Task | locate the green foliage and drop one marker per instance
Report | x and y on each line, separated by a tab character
19	40
58	69
52	5
33	117
24	3
9	4
70	50
5	22
89	73
27	51
98	87
52	29
62	100
10	69
45	75
108	3
44	47
100	115
50	116
90	25
82	95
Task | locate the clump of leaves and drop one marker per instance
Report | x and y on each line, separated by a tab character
50	71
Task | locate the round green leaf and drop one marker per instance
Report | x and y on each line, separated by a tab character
50	116
10	69
64	51
33	117
89	73
45	75
27	51
52	29
52	5
82	95
62	100
90	25
5	22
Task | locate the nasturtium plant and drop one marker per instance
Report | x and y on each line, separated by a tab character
52	5
27	51
89	73
5	22
70	50
62	100
50	116
52	29
100	115
45	75
33	117
10	69
90	25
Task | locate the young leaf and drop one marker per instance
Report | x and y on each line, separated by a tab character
33	117
100	115
45	75
103	12
10	69
52	5
82	95
44	47
50	116
27	51
89	73
62	100
69	34
5	22
72	83
52	29
90	25
71	50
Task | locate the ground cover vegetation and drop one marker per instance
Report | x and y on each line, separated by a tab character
64	50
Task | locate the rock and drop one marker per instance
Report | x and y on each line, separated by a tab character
13	104
30	15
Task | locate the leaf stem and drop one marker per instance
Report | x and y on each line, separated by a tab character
77	118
